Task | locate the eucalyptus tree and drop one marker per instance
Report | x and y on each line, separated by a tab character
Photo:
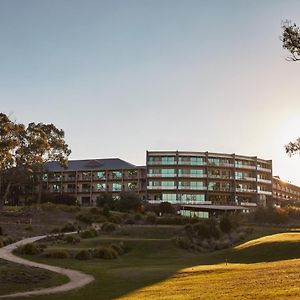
40	144
10	134
291	40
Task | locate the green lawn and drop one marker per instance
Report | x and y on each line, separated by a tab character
17	278
155	269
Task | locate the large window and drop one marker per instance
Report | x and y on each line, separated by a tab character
86	187
191	160
197	214
168	160
132	186
218	186
191	198
169	197
192	172
56	188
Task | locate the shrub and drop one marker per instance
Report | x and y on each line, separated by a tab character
183	242
71	239
29	228
108	227
55	230
1	243
115	219
95	211
69	227
138	217
1	231
87	234
119	248
166	208
225	224
57	254
151	218
130	201
83	255
101	219
30	249
106	253
86	218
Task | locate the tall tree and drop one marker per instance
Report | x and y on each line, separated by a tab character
40	144
10	134
293	147
291	40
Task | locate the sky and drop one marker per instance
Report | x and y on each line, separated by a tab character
122	77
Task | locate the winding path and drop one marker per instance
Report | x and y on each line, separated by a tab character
77	279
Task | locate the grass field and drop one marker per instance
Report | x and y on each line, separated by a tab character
16	278
264	268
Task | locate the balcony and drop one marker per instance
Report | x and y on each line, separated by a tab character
188	187
70	178
192	163
219	176
241	166
219	189
264	192
162	163
71	190
246	178
161	187
161	175
243	190
264	181
264	169
215	164
193	175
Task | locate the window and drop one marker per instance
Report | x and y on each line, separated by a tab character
100	174
45	177
86	176
168	160
169	197
86	187
100	186
117	174
132	186
133	173
56	188
71	188
192	197
116	187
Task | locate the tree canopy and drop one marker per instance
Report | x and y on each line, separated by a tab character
24	150
291	40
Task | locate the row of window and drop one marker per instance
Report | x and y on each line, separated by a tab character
186	198
198	160
132	186
116	174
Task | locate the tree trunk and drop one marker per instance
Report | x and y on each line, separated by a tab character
1	198
40	187
5	196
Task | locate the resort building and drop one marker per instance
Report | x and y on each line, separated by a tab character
88	179
284	192
201	182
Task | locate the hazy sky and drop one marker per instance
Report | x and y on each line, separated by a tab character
123	76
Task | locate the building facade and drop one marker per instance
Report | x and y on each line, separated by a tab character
284	192
88	179
209	180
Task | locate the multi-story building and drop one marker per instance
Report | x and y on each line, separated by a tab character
207	178
285	192
88	179
204	180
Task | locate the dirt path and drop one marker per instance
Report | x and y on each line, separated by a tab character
77	279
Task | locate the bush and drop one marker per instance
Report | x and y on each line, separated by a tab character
106	253
1	231
30	249
166	208
119	248
1	243
108	227
95	211
57	254
151	218
130	201
55	230
83	255
183	242
115	219
71	239
69	227
87	234
225	224
86	218
101	219
29	228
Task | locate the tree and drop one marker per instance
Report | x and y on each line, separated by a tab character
130	201
10	134
166	208
41	143
291	40
293	147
